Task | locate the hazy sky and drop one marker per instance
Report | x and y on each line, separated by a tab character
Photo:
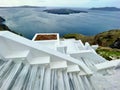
65	3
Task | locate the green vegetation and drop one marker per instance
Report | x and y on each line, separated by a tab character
75	35
81	37
107	38
108	53
104	39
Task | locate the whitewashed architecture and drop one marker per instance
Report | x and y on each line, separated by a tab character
55	64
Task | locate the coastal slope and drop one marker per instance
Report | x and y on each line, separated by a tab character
4	27
108	41
104	39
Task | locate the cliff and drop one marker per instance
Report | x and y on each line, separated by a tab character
4	27
107	38
104	39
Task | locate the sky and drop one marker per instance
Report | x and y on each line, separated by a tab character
62	3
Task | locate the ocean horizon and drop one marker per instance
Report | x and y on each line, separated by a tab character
29	21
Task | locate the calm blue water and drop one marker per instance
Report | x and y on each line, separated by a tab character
29	21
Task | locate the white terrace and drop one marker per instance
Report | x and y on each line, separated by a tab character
55	64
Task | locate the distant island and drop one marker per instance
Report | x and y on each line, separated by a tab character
106	9
64	11
25	6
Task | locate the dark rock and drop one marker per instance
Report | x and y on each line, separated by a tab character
2	20
116	44
4	27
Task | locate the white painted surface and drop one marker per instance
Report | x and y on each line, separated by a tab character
58	65
94	47
107	64
21	54
21	43
73	68
40	60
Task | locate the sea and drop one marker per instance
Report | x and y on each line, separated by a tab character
29	21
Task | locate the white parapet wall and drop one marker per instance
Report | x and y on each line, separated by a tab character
47	40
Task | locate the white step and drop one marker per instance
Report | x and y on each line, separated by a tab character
107	65
47	79
19	82
40	60
73	68
58	65
82	73
62	49
18	55
11	77
4	68
32	78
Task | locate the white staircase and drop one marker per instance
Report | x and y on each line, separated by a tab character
25	65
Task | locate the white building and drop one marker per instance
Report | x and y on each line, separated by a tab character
53	65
